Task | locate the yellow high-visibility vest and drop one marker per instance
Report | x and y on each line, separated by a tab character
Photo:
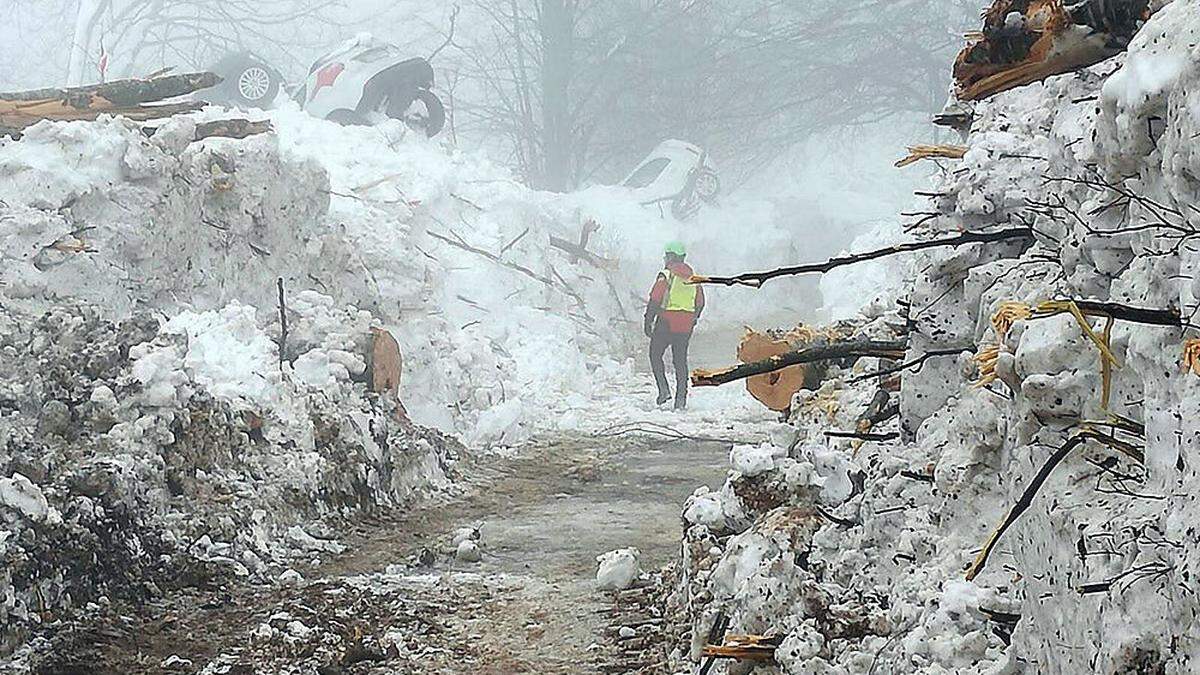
680	296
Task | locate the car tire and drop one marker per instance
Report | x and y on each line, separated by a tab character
249	82
708	186
436	121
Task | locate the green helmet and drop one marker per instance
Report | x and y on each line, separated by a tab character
676	248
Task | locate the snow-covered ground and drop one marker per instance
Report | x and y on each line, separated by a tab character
858	558
143	391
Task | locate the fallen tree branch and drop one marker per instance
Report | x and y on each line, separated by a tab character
1026	499
664	431
496	259
283	325
757	279
117	94
578	252
862	436
918	363
825	352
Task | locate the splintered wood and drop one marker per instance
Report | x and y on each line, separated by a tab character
1027	41
138	100
774	390
387	365
917	153
745	648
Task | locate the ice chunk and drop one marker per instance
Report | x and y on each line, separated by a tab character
751	461
618	569
21	495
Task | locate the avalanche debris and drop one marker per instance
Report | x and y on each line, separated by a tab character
859	560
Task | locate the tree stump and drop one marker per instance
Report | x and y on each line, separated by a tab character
387	365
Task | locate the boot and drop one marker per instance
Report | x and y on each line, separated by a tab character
681	402
663	397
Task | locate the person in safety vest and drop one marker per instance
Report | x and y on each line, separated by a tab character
671	316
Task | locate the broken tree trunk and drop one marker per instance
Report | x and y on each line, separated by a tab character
231	129
121	93
234	128
127	98
757	279
826	352
1026	41
386	366
776	389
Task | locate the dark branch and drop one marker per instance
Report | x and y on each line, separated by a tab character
918	363
826	352
757	279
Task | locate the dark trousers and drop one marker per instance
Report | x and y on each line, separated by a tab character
660	340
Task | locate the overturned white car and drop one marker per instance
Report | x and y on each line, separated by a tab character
677	172
362	81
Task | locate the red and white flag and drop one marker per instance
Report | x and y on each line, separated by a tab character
102	64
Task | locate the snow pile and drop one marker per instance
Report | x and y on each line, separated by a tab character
132	453
856	556
442	248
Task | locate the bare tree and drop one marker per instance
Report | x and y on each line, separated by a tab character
148	34
580	88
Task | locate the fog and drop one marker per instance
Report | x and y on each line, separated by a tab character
800	105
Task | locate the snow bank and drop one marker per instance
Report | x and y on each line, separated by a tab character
857	555
133	453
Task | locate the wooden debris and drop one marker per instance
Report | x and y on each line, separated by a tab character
776	389
1191	356
126	98
1026	41
745	648
880	410
235	128
986	361
854	348
387	364
917	153
283	323
1082	311
757	279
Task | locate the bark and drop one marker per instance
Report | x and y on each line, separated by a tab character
757	279
122	93
827	352
231	129
1154	317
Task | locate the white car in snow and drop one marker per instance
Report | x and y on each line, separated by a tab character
362	81
677	172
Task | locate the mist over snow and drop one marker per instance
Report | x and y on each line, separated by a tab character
330	336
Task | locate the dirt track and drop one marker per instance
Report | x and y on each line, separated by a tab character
528	607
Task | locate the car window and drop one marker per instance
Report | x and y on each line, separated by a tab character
372	55
647	173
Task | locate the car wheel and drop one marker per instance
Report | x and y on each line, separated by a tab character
424	113
708	186
248	82
435	112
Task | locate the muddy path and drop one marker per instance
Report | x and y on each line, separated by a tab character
397	600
